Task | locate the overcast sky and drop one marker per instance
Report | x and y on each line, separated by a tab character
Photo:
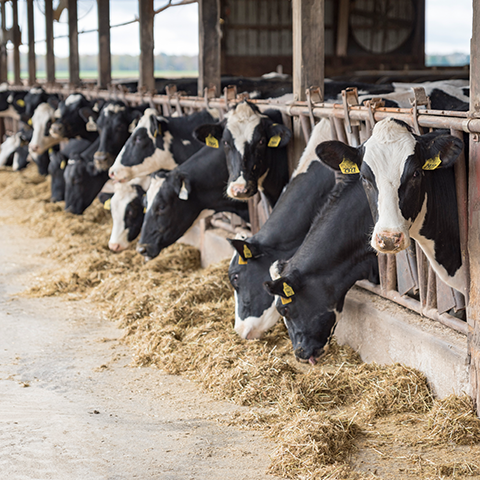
448	27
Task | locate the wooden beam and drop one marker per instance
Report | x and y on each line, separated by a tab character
146	67
32	66
73	59
104	55
473	310
16	44
3	47
209	45
342	30
50	57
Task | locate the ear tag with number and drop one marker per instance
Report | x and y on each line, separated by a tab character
20	102
348	167
288	290
241	261
275	141
91	125
432	163
183	195
29	121
285	300
247	253
107	204
63	165
211	141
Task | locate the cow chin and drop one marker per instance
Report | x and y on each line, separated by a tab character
386	241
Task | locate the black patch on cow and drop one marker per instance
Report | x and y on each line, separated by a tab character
441	100
134	214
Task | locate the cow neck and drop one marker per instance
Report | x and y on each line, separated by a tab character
436	231
336	252
294	212
277	175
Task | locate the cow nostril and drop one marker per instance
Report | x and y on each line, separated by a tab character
142	249
114	247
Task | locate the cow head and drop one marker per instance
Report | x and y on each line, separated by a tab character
42	119
395	165
146	151
301	302
56	169
255	311
246	135
33	99
127	209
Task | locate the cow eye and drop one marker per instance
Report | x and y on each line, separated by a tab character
416	173
234	281
262	141
161	207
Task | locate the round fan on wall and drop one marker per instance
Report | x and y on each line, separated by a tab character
381	26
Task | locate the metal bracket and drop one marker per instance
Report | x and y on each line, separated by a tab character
208	94
230	94
350	99
242	96
372	105
170	90
314	95
419	98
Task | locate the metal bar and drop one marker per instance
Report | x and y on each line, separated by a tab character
431	298
391	277
422	268
104	55
50	57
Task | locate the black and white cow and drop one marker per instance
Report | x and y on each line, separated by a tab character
255	148
411	190
83	181
311	286
159	143
34	98
8	148
278	239
127	208
42	119
177	198
72	120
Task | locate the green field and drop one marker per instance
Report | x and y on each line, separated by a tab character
90	74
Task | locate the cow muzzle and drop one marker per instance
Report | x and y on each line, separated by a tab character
115	247
57	130
33	148
389	242
102	161
239	192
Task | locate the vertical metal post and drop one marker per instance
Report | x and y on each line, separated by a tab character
104	55
50	57
209	46
32	66
146	67
73	59
16	44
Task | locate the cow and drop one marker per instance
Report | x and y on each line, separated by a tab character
254	145
42	119
411	189
33	99
159	143
127	209
8	148
177	198
278	239
72	120
310	287
82	180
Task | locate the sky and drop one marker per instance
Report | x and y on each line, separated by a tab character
448	27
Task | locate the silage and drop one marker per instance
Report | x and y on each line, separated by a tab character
180	318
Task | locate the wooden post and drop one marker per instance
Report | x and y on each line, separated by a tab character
209	46
146	67
16	44
104	55
32	66
3	47
473	310
73	59
342	29
308	57
50	57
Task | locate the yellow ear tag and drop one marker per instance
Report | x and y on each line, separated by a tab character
288	290
107	205
211	141
246	252
50	150
63	165
275	141
144	209
285	300
241	261
348	167
20	102
432	163
29	121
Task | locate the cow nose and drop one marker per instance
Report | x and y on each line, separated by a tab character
389	241
115	247
142	249
57	129
33	148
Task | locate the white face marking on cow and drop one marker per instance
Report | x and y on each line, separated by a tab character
274	271
39	142
8	147
113	109
35	91
72	99
241	123
386	153
124	194
186	142
321	133
240	183
3	87
57	113
155	185
254	327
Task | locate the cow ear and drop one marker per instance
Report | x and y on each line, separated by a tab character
285	287
97	105
105	198
339	156
133	116
158	125
86	113
209	134
182	186
246	250
443	152
278	135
